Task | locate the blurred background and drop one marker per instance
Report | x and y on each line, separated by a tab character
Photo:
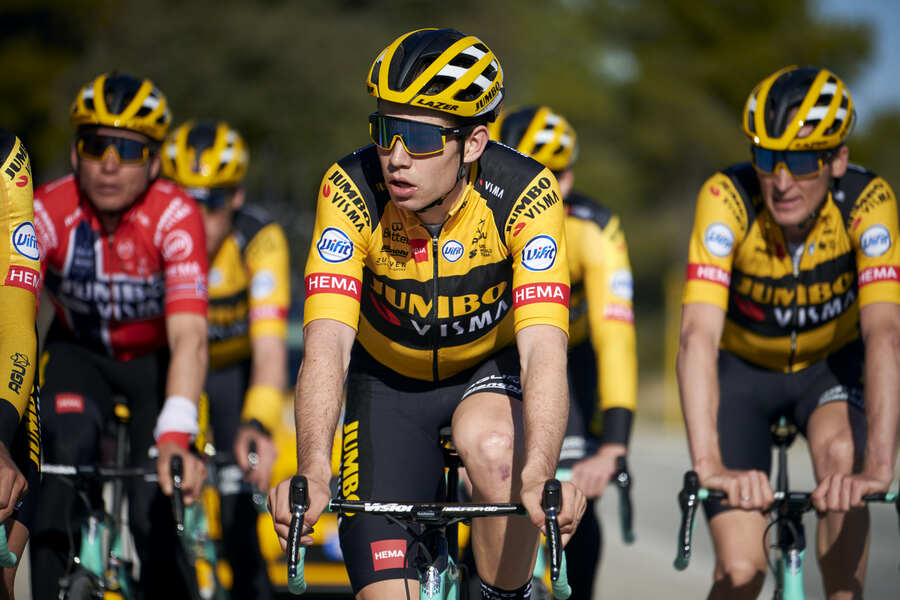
654	89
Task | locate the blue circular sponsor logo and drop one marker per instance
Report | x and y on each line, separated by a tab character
452	250
334	245
622	284
875	241
718	239
24	240
539	254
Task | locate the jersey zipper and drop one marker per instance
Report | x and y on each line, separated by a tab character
436	334
796	316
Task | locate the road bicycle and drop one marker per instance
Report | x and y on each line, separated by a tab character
785	517
427	522
102	567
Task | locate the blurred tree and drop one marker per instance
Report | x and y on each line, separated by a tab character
39	39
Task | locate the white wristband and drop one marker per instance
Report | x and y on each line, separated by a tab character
178	414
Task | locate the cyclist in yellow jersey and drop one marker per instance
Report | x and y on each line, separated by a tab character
602	352
792	301
20	441
249	293
437	279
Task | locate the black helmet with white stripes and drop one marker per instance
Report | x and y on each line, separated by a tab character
440	69
791	99
120	100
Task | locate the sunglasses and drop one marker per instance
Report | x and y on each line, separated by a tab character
127	151
801	164
419	139
212	198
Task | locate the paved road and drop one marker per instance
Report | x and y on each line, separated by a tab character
644	570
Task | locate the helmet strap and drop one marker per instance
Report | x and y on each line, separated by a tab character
460	173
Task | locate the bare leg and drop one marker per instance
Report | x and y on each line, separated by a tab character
488	434
740	556
842	541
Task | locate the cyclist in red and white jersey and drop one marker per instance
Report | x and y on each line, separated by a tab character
124	264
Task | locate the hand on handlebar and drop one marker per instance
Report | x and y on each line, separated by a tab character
749	490
13	485
194	472
280	506
260	474
573	506
841	492
592	474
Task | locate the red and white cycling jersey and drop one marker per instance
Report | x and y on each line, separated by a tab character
113	291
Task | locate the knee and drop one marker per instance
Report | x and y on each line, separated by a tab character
837	455
488	456
737	577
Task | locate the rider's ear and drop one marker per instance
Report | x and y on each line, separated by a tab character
475	143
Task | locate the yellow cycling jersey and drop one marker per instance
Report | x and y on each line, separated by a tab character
601	304
249	287
780	316
20	271
428	307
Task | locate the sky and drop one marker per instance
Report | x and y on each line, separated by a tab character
879	85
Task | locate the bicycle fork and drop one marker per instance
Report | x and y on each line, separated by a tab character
436	580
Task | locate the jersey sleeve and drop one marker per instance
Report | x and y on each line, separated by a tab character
334	268
268	264
20	271
874	235
536	240
719	226
185	262
609	291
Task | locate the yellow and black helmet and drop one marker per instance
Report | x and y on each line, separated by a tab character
120	100
205	154
820	99
440	69
540	133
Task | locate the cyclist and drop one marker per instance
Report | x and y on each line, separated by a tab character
437	277
125	269
249	292
20	442
602	355
792	297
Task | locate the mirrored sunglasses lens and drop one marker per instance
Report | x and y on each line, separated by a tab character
418	138
128	150
211	198
802	163
764	159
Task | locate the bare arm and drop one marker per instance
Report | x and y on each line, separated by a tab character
698	381
880	325
267	382
186	334
542	352
320	386
269	360
317	407
187	344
